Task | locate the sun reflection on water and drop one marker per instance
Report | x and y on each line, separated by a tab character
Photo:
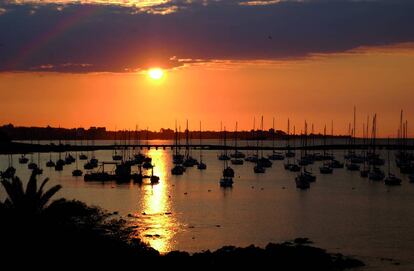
157	222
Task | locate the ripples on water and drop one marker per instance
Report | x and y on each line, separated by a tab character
341	212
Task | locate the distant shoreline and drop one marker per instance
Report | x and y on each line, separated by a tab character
100	133
22	148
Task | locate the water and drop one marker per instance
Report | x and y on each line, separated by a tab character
341	212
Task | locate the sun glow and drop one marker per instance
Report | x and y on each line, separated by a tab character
156	73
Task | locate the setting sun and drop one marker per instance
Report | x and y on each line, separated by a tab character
155	73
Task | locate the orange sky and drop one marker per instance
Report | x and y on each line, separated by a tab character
318	89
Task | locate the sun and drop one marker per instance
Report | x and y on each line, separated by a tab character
155	73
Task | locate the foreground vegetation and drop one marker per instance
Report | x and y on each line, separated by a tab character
32	226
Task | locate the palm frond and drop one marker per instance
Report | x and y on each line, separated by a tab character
14	189
18	188
48	194
31	188
40	191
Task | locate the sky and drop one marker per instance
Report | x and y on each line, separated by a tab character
84	63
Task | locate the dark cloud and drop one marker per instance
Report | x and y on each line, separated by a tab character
94	38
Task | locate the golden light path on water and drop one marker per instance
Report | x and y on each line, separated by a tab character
156	223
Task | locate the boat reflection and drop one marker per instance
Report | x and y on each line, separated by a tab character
157	224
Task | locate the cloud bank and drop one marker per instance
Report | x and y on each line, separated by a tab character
105	36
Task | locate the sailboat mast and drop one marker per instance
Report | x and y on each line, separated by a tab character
288	132
225	149
187	146
303	152
313	137
201	147
400	135
257	143
388	156
235	141
354	130
273	135
261	135
176	140
294	134
324	141
374	132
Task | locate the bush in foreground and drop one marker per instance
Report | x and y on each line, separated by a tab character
71	231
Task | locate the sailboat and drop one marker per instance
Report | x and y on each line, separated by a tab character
293	167
226	181
302	182
189	161
60	162
10	171
23	159
69	159
289	153
304	157
365	170
223	156
178	158
32	165
38	170
227	171
275	155
82	156
403	157
76	172
334	163
326	166
236	155
259	167
139	157
93	162
305	177
254	157
375	174
391	179
154	179
147	160
352	157
263	161
115	155
201	165
315	156
50	163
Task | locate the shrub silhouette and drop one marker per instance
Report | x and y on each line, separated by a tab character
72	232
30	202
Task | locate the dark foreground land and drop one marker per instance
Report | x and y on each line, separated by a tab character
33	232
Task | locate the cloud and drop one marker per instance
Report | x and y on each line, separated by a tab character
120	38
259	2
